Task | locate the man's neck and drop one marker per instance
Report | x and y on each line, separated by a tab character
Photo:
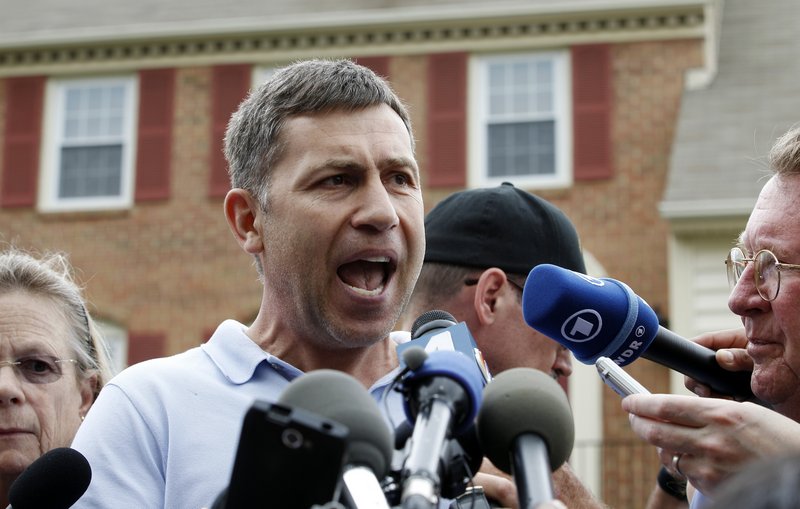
367	364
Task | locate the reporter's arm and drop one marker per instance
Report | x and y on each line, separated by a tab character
500	487
669	492
572	491
714	437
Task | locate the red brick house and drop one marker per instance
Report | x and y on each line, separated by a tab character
112	114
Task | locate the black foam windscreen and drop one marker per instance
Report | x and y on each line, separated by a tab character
520	401
56	480
340	397
414	357
429	320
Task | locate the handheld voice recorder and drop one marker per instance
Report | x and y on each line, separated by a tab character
617	378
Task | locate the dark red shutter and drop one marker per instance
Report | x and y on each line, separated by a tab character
154	138
591	105
229	86
21	140
447	120
379	65
145	345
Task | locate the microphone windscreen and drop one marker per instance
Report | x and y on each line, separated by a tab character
339	397
456	366
434	319
56	480
525	401
592	317
414	357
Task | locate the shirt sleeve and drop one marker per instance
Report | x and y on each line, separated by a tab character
124	453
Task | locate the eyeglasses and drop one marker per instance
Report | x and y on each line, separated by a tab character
767	273
474	281
39	369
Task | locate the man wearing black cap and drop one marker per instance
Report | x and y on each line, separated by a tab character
481	244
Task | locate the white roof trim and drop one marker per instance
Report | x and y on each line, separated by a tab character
681	19
706	208
333	20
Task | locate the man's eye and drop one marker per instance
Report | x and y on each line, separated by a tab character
402	179
338	180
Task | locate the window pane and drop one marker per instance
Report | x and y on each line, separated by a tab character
522	148
90	171
519	88
73	100
114	123
94	112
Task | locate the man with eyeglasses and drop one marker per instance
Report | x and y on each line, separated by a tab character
708	439
480	246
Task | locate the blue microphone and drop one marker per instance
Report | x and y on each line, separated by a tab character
442	394
604	318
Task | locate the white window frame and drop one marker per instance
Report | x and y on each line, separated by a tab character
53	138
478	174
116	339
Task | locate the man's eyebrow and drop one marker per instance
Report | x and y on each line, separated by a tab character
340	163
404	162
349	164
740	241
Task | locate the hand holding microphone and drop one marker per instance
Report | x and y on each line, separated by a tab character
526	429
604	318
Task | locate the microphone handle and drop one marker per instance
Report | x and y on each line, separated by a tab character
698	362
530	468
420	488
362	489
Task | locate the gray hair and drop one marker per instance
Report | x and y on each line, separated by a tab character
784	157
51	276
253	141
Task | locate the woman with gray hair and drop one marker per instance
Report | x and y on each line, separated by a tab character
53	361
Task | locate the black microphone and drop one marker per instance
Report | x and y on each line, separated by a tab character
441	397
525	428
369	445
56	480
603	318
438	330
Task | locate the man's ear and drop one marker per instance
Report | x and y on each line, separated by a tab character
488	293
242	212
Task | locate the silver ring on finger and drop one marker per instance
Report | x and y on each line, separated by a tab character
676	460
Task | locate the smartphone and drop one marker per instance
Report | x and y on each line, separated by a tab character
287	457
617	378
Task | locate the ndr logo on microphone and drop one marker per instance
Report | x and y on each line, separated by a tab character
582	326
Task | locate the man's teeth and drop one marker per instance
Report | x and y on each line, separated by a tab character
377	259
368	293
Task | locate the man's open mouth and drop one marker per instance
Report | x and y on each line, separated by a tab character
367	276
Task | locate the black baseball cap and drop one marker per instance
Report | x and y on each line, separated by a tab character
502	227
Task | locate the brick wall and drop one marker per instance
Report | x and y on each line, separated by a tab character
170	267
